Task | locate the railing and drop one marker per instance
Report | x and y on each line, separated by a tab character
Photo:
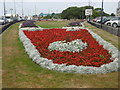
4	27
112	30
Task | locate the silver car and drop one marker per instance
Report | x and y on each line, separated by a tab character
115	22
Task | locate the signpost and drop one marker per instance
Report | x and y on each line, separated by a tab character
88	12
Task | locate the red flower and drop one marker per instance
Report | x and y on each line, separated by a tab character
94	55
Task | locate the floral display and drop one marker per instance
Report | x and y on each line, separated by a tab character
94	55
28	24
75	23
24	26
73	46
73	28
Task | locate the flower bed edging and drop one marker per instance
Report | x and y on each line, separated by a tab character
44	62
30	28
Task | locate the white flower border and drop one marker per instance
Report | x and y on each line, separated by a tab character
45	63
30	28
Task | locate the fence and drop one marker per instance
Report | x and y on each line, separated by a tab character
112	30
4	27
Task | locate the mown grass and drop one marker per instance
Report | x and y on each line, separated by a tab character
20	72
52	24
105	35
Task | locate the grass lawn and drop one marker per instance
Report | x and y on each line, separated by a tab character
20	72
105	35
52	24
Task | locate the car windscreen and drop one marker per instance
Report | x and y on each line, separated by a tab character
114	19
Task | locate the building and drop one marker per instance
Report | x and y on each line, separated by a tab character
44	14
118	9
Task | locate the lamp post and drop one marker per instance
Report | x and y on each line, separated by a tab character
89	8
4	12
35	7
11	10
22	9
102	14
14	8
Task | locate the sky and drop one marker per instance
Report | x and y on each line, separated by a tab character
57	6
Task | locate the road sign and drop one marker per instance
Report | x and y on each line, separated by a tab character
88	12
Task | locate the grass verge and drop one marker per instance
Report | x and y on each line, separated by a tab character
105	35
52	24
20	72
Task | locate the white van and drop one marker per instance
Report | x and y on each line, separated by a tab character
9	17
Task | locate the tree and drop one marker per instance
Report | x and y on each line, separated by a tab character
79	12
98	9
112	14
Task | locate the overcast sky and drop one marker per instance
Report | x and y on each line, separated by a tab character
49	6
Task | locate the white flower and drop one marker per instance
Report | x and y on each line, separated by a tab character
77	45
73	46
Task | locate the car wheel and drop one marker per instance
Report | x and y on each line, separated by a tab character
115	25
108	24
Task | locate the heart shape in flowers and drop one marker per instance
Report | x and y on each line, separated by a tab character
92	55
73	46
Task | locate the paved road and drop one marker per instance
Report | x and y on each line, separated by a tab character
1	28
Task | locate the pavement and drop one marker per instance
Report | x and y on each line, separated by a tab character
1	28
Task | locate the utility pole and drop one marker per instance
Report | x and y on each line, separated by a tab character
102	14
11	10
35	7
14	8
89	8
22	9
89	3
4	12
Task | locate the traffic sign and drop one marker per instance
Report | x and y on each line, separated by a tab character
88	12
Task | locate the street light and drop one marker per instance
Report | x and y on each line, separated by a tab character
15	7
35	7
4	12
11	10
89	8
102	14
22	9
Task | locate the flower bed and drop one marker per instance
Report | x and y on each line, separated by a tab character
75	23
28	24
77	28
99	56
73	46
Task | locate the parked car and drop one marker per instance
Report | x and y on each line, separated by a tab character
115	22
2	21
97	19
9	17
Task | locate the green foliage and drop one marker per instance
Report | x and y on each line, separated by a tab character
79	12
98	9
57	16
53	16
112	14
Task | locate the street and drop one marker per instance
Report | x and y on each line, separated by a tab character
1	28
